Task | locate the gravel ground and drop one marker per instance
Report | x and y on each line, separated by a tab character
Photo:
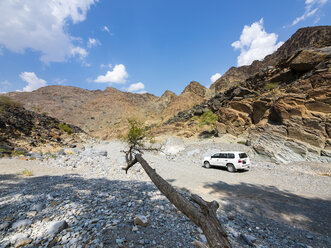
82	198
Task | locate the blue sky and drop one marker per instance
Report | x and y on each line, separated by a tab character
141	46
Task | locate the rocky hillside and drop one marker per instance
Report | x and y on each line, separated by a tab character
280	106
310	37
104	113
284	111
24	129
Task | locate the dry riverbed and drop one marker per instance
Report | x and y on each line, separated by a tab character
84	199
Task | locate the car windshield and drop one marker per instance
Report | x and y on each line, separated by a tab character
242	155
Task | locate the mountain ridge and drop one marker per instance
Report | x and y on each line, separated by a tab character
267	100
318	36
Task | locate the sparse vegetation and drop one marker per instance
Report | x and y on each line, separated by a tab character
241	142
27	173
137	132
7	101
65	128
18	153
208	118
271	86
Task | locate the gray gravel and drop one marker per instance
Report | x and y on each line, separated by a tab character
93	203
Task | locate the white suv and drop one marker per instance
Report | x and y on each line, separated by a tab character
231	160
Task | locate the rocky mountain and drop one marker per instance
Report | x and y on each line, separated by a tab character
284	111
105	113
309	37
26	129
279	106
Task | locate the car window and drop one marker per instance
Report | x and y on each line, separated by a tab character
230	155
223	155
216	155
243	155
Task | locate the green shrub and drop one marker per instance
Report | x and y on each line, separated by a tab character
137	132
27	173
65	128
208	118
270	86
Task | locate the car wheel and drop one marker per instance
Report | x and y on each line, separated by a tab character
206	164
230	168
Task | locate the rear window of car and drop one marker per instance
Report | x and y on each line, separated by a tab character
243	155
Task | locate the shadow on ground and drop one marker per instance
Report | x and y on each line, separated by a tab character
97	210
257	202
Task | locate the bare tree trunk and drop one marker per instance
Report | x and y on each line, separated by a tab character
203	216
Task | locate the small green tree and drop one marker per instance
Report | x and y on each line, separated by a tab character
137	132
135	137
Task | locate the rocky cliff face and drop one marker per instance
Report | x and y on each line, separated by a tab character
26	129
284	111
310	37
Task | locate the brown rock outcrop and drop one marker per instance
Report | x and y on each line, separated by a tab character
30	129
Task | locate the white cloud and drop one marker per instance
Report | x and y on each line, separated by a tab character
138	87
255	43
104	66
93	42
312	6
33	81
105	28
214	77
41	26
117	75
78	51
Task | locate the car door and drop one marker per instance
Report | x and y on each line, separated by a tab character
215	159
223	159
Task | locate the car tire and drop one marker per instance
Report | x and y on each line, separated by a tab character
230	168
206	164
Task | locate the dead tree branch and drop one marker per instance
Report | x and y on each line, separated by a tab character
203	216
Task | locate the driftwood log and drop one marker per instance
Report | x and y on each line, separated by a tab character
203	216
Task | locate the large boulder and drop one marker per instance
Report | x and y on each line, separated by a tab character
173	145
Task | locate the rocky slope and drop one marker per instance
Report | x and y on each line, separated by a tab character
283	111
104	113
25	130
310	37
